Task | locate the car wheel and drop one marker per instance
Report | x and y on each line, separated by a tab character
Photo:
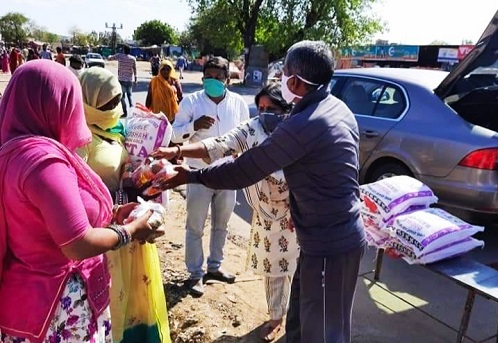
389	169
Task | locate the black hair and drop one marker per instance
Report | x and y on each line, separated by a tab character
311	60
275	94
76	58
217	62
126	49
59	49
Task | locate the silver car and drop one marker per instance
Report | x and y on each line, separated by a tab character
439	127
94	60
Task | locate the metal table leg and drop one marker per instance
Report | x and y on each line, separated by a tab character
378	264
466	316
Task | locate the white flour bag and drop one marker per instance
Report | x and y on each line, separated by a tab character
392	196
146	132
448	251
427	230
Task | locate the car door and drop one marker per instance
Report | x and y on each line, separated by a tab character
377	106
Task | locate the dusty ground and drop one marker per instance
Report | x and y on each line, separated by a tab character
225	313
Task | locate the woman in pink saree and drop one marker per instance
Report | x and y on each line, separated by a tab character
56	215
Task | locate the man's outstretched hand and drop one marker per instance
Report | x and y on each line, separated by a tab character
179	179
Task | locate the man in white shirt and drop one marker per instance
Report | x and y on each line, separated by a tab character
210	112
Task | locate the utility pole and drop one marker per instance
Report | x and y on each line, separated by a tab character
113	35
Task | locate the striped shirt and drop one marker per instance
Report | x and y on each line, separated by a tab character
317	148
127	67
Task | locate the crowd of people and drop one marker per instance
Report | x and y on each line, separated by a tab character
91	275
11	59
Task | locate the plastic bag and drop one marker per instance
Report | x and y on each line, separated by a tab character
146	132
154	172
158	213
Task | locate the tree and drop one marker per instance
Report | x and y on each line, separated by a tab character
14	27
155	32
242	16
279	23
186	40
50	37
337	22
34	30
213	33
74	31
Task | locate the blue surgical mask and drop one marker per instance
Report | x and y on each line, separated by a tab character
270	121
214	88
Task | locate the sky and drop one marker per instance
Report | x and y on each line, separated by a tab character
416	22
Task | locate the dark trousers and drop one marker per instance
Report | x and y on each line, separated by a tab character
321	299
126	90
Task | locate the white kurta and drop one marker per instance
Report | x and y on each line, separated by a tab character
273	249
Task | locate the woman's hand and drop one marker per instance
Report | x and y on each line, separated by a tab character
141	230
167	153
123	212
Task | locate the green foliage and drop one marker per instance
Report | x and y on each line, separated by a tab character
186	40
277	24
50	37
337	22
14	27
212	31
155	32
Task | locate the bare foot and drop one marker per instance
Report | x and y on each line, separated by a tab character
270	330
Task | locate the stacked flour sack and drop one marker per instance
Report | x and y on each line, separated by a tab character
397	216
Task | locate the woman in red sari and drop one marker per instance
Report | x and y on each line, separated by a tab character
14	60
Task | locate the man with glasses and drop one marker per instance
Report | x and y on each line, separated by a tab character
210	112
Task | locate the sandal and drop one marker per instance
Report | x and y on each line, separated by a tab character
269	331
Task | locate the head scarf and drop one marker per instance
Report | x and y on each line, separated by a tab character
99	87
168	63
41	111
164	94
44	99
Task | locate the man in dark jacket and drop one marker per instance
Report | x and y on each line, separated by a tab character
317	148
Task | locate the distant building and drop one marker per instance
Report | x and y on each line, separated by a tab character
442	57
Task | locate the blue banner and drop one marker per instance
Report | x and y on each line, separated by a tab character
383	52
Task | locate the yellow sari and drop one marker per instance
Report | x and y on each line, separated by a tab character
164	94
138	303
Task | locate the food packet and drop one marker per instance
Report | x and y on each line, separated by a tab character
167	172
148	170
158	213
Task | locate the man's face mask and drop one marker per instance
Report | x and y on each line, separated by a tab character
270	120
213	87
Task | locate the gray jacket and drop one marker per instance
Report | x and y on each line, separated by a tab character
317	148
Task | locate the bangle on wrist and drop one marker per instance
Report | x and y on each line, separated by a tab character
124	237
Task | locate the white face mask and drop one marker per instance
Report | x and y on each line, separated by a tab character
286	92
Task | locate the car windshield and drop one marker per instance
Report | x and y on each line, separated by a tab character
94	56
